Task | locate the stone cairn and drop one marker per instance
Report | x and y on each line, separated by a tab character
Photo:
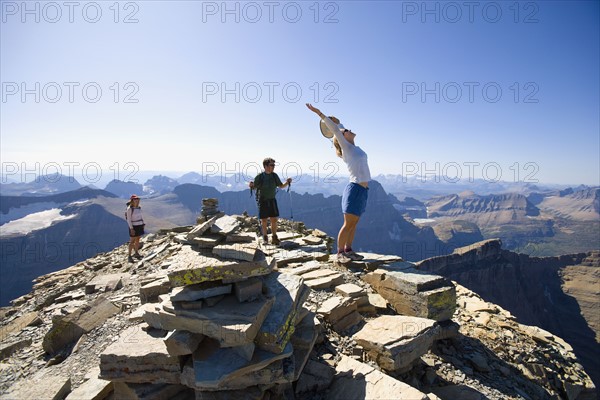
220	321
210	207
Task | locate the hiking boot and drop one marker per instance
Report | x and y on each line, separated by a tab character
130	259
138	256
353	256
275	240
266	239
342	258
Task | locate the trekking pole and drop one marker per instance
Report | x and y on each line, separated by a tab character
257	217
291	208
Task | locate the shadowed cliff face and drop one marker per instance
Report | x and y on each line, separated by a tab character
25	257
559	294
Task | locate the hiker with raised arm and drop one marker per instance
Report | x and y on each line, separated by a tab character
354	198
266	184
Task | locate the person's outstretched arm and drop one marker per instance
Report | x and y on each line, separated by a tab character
332	126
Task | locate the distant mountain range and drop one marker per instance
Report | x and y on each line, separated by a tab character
414	186
41	186
544	223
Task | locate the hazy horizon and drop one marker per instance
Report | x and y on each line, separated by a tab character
141	177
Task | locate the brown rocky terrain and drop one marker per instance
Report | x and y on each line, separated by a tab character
545	224
559	294
212	313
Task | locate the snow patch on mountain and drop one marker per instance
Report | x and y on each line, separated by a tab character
16	213
34	221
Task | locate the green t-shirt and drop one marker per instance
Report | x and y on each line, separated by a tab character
267	184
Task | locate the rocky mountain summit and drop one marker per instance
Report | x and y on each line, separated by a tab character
559	294
211	312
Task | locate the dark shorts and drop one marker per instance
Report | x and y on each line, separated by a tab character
139	231
268	208
354	199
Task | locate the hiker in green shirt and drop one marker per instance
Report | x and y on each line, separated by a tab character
266	184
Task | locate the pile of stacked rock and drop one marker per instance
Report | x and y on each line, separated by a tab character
219	319
210	207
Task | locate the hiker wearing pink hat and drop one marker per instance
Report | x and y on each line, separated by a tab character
134	218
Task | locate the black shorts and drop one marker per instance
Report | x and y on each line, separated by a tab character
138	229
268	208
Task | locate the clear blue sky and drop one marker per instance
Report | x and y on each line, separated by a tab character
377	65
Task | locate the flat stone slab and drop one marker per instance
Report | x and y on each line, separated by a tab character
474	304
199	229
312	240
45	384
289	293
92	389
303	340
277	372
199	291
395	341
319	273
398	266
72	295
302	269
238	251
376	300
180	343
212	366
106	283
240	237
149	292
189	267
285	235
323	279
139	357
7	349
207	242
336	307
285	257
319	233
137	315
16	325
71	327
225	225
350	290
409	281
412	292
315	377
347	321
248	290
355	380
230	322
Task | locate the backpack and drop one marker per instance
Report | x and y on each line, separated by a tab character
126	208
259	178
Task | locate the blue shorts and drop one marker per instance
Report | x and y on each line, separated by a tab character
354	199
